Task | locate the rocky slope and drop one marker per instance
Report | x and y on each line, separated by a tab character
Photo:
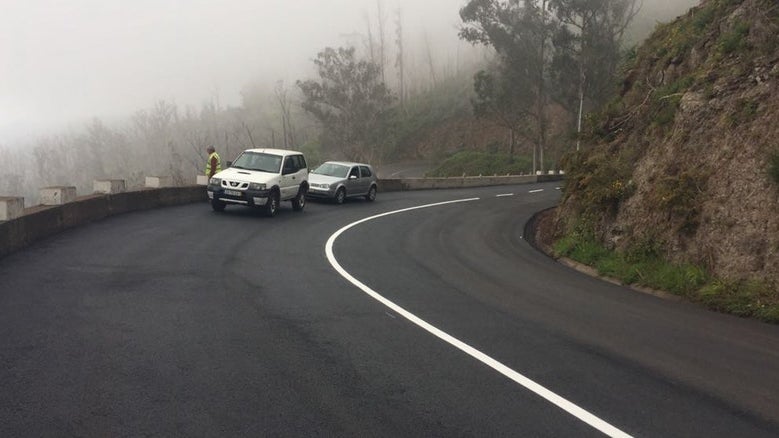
681	161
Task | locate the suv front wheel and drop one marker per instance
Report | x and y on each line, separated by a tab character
273	204
218	205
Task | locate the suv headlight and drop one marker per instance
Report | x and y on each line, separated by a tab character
256	186
215	181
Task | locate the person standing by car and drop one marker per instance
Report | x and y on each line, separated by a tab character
213	163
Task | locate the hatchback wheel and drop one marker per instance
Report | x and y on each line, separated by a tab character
371	196
340	196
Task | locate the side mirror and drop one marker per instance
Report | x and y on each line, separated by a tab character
229	164
352	176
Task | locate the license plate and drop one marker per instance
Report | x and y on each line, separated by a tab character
232	193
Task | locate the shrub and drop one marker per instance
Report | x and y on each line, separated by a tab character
679	196
735	40
667	100
740	297
745	111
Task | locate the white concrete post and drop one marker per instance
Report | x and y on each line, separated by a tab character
11	207
159	181
202	180
109	186
57	195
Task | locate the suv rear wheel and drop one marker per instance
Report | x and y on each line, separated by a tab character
299	201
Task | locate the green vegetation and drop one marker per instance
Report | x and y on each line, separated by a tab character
697	52
667	99
474	163
641	265
679	196
773	166
735	40
421	114
745	111
601	179
742	298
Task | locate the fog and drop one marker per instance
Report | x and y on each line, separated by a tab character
65	62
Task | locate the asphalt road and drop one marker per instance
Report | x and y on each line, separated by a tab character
185	322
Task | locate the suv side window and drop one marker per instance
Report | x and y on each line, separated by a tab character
289	166
365	171
301	162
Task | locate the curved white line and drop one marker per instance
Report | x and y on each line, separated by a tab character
550	396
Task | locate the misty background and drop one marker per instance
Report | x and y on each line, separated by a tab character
95	89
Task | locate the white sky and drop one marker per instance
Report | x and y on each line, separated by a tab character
68	60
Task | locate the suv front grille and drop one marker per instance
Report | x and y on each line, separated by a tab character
235	185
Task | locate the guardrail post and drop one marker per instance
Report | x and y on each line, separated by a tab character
11	207
57	195
159	181
109	186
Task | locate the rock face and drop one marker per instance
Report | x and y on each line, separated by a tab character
683	158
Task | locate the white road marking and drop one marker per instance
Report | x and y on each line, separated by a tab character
558	188
504	195
536	191
541	391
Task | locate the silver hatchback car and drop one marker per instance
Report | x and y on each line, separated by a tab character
338	180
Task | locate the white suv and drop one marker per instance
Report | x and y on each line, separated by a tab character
261	178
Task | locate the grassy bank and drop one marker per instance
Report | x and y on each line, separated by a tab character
475	163
642	266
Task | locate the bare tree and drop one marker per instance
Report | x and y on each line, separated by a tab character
399	59
592	37
381	18
286	118
430	62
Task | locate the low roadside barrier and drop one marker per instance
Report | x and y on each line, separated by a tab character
61	209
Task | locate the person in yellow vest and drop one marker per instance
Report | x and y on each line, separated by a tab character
214	163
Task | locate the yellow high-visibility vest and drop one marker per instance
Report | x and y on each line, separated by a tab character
218	164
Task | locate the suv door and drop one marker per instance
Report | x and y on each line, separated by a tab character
294	172
288	184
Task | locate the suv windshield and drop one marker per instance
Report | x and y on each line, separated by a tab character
258	161
331	169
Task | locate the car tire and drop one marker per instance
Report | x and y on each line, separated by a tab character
218	205
371	196
299	201
272	205
340	195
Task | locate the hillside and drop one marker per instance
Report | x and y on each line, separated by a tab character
684	164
